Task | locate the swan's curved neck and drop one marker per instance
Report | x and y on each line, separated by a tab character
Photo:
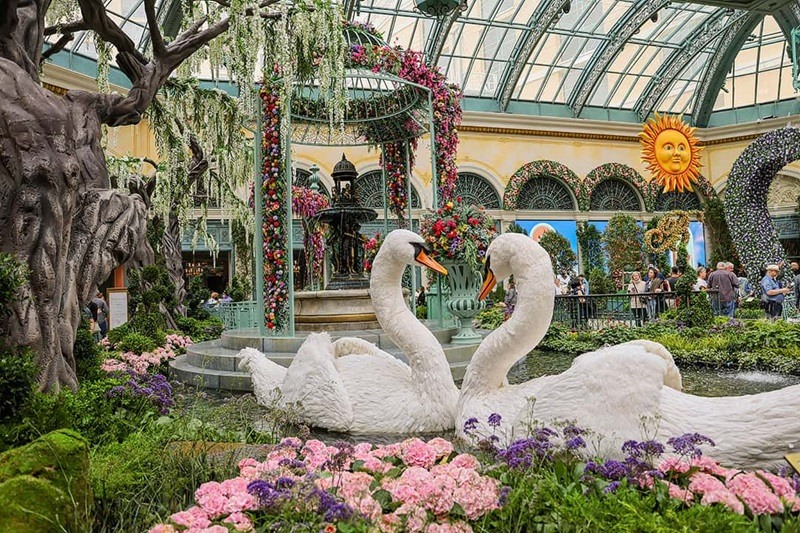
516	337
425	355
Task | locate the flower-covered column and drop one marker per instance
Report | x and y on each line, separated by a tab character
274	220
750	224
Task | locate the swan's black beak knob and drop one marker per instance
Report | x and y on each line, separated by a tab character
489	281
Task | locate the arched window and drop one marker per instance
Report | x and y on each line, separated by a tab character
302	177
545	193
672	201
476	190
614	195
369	187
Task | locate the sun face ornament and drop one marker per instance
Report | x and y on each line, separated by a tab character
671	152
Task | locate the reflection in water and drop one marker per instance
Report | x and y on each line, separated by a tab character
698	381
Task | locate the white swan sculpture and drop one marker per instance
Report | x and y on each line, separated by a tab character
352	386
610	391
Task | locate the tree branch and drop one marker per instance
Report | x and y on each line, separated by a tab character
96	18
70	27
57	47
152	25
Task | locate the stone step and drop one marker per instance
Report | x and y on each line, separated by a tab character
250	338
181	370
218	358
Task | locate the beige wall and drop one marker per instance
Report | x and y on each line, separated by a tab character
492	145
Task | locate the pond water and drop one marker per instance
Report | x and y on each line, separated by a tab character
698	381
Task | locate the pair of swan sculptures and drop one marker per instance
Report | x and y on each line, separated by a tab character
350	385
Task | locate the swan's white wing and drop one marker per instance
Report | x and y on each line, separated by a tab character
612	391
313	382
266	375
673	378
381	393
353	345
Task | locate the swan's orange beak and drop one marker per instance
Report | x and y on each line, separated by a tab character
489	282
424	259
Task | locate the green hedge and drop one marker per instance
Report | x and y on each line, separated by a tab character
750	344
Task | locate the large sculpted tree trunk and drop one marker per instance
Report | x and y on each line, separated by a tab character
57	213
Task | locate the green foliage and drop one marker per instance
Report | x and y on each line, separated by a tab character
553	497
17	381
422	312
490	318
88	354
200	330
13	275
196	295
590	241
623	240
719	236
90	411
240	289
560	251
150	324
600	283
136	342
515	228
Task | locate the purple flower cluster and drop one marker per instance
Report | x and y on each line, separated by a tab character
521	453
331	509
154	387
494	420
470	425
268	494
688	444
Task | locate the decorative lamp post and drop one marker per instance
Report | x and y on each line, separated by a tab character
440	8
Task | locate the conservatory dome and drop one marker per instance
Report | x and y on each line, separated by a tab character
621	60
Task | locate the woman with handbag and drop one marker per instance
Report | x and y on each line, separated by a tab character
637	286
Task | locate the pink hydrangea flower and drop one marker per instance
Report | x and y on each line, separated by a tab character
725	497
465	460
240	521
194	517
415	452
163	528
674	464
701	483
755	493
449	527
441	447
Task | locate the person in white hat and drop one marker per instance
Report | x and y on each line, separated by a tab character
772	294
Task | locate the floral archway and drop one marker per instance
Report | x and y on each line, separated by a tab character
619	171
746	209
537	169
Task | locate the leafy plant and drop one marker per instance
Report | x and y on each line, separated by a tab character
590	241
136	342
560	250
17	381
623	241
240	289
88	354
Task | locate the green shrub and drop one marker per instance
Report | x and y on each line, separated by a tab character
422	312
17	381
151	324
90	411
490	318
200	330
698	313
240	289
117	334
137	343
196	295
88	354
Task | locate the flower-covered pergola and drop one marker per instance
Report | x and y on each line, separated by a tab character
750	224
394	97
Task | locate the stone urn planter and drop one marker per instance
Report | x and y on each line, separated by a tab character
464	284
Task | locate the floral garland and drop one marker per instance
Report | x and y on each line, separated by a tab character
649	191
750	224
542	168
410	65
274	223
306	203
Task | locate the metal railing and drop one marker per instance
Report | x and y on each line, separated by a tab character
600	311
238	315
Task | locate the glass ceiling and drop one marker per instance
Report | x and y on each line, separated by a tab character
614	59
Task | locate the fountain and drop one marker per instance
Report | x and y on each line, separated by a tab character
345	217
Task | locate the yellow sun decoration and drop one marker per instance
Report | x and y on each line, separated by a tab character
671	152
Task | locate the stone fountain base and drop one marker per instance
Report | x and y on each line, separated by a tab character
341	310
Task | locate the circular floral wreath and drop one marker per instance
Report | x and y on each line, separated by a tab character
539	169
608	171
750	224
